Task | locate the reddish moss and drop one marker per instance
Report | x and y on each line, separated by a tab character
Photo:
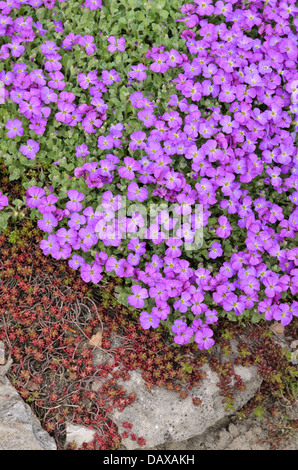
47	314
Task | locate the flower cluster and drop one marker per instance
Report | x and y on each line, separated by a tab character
35	91
44	329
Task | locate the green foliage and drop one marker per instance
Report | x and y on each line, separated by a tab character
144	25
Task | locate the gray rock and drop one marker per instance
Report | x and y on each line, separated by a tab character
78	434
101	356
2	353
224	438
239	443
161	416
233	430
19	428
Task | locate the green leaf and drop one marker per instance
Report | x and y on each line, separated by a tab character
140	16
4	216
15	173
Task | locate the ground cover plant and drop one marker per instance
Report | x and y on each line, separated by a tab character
53	325
214	140
154	143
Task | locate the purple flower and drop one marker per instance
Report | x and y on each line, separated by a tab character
274	173
40	28
139	294
58	26
16	48
33	108
197	305
90	121
48	95
15	128
49	245
56	81
66	236
16	95
38	125
127	171
293	255
4	52
47	222
34	195
87	41
147	117
112	264
116	44
76	220
178	326
3	201
160	64
205	8
183	302
135	245
215	250
65	110
148	320
184	336
76	262
203	338
134	192
173	249
91	273
283	314
7	78
47	204
88	237
38	77
224	229
82	151
272	287
133	259
211	316
138	72
109	201
53	64
30	150
161	310
93	4
75	197
109	77
174	58
86	80
49	47
100	105
250	284
137	140
105	143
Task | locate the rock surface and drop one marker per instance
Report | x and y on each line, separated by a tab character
78	434
161	416
19	428
252	433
